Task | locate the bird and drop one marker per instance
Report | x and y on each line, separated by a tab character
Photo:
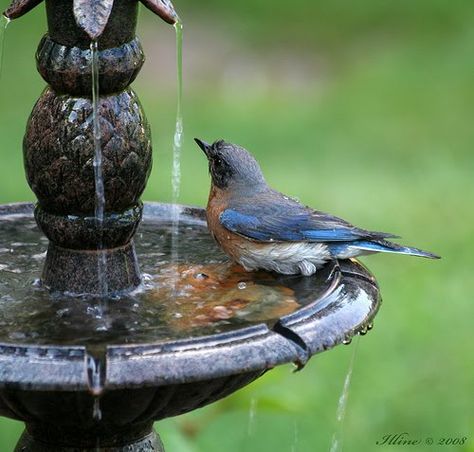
263	229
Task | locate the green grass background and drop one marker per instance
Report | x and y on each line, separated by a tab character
363	109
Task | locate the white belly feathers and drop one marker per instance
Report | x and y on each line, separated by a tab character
286	258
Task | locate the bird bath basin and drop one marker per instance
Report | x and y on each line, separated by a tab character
79	370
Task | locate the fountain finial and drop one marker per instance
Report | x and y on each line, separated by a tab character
92	15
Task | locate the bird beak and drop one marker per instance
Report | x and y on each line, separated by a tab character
206	147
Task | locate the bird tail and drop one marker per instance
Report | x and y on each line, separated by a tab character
360	247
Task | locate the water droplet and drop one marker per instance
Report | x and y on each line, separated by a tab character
62	312
242	285
363	331
347	341
96	410
201	276
370	326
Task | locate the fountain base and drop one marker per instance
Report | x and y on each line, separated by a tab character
45	439
75	271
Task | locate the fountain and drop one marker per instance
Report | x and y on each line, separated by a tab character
95	349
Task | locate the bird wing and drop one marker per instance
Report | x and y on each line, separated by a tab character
274	217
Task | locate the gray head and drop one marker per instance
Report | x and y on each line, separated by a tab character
231	165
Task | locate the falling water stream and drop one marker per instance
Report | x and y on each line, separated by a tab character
177	143
98	176
252	416
178	134
338	436
294	446
99	214
4	21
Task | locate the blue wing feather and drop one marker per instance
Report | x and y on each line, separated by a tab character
274	217
361	247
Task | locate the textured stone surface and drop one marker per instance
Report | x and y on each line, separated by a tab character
92	15
81	232
68	69
59	145
59	152
75	271
63	28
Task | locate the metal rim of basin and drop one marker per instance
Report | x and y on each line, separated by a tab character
346	308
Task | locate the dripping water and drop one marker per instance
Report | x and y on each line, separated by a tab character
294	446
252	415
95	367
4	21
178	134
98	176
96	410
337	438
177	143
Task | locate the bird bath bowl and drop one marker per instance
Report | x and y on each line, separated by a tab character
84	372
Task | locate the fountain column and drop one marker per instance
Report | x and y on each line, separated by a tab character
59	146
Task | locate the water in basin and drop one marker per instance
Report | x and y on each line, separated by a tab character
200	293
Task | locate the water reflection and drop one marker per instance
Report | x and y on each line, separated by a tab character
211	295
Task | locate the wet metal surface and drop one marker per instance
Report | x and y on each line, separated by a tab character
185	316
195	331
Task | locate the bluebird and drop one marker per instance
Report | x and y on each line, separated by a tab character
261	228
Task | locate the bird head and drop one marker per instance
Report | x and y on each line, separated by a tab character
232	166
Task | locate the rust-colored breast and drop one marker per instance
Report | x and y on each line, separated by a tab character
232	244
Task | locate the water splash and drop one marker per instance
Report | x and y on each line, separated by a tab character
4	21
98	176
177	143
337	438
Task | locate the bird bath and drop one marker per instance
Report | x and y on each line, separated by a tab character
84	371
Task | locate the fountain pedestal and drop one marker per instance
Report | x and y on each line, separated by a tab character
59	149
141	440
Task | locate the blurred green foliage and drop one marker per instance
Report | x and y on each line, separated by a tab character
363	109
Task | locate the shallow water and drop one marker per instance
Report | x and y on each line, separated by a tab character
210	296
